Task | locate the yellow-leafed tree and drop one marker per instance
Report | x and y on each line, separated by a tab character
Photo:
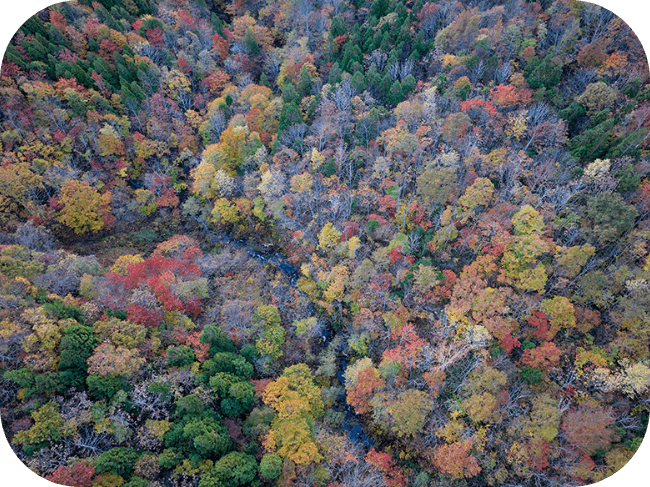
296	400
83	208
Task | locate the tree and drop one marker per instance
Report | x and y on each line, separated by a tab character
271	466
560	313
455	459
610	215
435	185
456	125
545	416
572	259
243	24
520	261
110	360
367	384
198	437
587	427
459	34
118	460
408	412
393	476
234	469
77	346
217	339
507	96
228	154
481	407
597	96
230	363
478	194
295	383
527	220
83	208
242	395
77	475
296	400
271	331
395	94
592	55
180	356
119	332
49	425
544	357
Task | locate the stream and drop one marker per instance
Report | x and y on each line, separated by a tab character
279	260
274	257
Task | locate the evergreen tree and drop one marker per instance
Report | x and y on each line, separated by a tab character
304	83
408	85
334	74
395	95
358	82
289	93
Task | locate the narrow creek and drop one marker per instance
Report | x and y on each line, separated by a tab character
274	256
279	260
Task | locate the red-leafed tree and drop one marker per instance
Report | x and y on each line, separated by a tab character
544	357
78	475
220	45
216	82
161	187
144	315
507	96
539	326
408	348
154	36
169	275
383	462
539	452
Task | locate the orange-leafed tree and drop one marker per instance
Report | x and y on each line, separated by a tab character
507	96
216	82
455	459
368	382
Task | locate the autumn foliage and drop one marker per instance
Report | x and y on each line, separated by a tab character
342	243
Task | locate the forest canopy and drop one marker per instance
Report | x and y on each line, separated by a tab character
333	243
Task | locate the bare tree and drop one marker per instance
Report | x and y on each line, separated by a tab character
272	64
393	71
217	124
342	96
595	20
477	71
304	14
34	238
379	58
346	165
294	137
90	442
337	6
502	73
